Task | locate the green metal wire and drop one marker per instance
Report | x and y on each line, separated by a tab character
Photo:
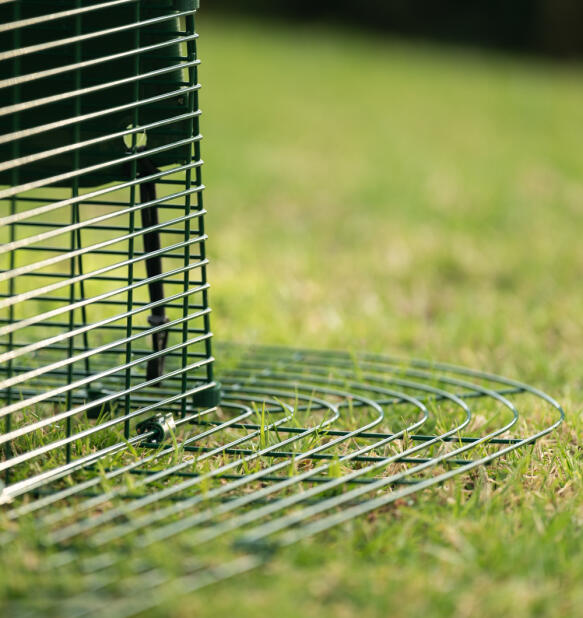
104	461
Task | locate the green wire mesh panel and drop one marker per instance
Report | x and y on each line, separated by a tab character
103	290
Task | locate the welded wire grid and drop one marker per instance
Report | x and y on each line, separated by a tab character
104	324
302	442
103	298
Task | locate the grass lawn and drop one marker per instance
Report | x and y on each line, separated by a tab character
398	197
420	201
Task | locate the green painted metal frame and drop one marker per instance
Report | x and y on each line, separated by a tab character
79	273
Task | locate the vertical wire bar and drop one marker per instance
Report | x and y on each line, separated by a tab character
84	319
191	53
13	207
73	235
82	293
199	198
132	226
70	351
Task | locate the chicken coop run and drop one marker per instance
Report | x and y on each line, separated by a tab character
116	433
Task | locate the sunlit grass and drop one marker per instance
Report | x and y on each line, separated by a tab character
399	197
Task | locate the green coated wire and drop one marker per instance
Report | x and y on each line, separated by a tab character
104	461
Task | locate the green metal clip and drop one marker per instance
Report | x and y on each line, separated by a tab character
207	398
162	425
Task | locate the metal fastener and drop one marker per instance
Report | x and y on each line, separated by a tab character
162	426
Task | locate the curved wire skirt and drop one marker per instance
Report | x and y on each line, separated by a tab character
304	441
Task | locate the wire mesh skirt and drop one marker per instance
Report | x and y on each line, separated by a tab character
302	442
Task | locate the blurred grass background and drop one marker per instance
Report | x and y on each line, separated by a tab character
383	195
540	27
368	193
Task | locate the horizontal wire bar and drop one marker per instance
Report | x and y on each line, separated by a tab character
54	233
30	375
7	437
92	228
108	111
72	147
325	456
110	279
98	166
23	51
58	70
31	21
111	303
104	269
37	345
55	377
70	94
48	208
4	330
